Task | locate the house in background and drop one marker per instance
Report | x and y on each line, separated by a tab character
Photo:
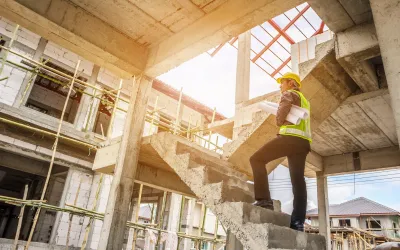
364	214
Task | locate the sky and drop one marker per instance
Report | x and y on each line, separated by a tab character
211	80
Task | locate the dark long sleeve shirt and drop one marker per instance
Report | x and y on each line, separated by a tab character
287	100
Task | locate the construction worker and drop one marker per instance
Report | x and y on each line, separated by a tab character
293	141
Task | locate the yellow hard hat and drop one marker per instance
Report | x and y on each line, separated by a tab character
290	75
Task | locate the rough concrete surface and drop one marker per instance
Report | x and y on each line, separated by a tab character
254	227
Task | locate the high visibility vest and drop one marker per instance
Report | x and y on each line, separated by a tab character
303	130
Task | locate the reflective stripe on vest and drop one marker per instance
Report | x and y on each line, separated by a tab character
303	130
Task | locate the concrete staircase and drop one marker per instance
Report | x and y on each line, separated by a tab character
324	83
226	192
250	132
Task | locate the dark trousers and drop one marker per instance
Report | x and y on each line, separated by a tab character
296	150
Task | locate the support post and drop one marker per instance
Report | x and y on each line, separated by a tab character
117	210
243	68
20	217
27	84
323	208
386	15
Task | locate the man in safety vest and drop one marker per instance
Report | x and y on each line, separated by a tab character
293	141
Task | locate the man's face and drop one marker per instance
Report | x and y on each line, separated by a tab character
286	85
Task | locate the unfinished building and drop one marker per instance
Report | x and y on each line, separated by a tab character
89	136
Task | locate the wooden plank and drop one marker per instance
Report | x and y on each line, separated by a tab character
357	123
330	130
380	112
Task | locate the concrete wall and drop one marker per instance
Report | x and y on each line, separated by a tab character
101	207
47	217
9	88
68	58
78	192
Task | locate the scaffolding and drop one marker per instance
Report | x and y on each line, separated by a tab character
193	132
355	238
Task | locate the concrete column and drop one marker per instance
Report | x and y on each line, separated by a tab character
82	119
323	208
243	68
20	100
386	15
117	210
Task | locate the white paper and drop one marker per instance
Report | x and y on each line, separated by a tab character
274	110
295	110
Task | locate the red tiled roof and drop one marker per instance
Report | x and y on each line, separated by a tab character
357	207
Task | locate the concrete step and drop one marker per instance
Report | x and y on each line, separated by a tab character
247	213
211	175
208	158
285	238
221	192
273	237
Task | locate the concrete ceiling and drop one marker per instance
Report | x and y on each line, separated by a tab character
132	37
340	15
148	22
362	122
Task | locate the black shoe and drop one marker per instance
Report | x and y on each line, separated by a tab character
268	204
297	225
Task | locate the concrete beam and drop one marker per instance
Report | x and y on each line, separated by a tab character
74	28
315	161
26	149
229	20
353	47
163	180
363	73
387	17
365	96
333	14
360	41
363	161
323	208
242	92
23	164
